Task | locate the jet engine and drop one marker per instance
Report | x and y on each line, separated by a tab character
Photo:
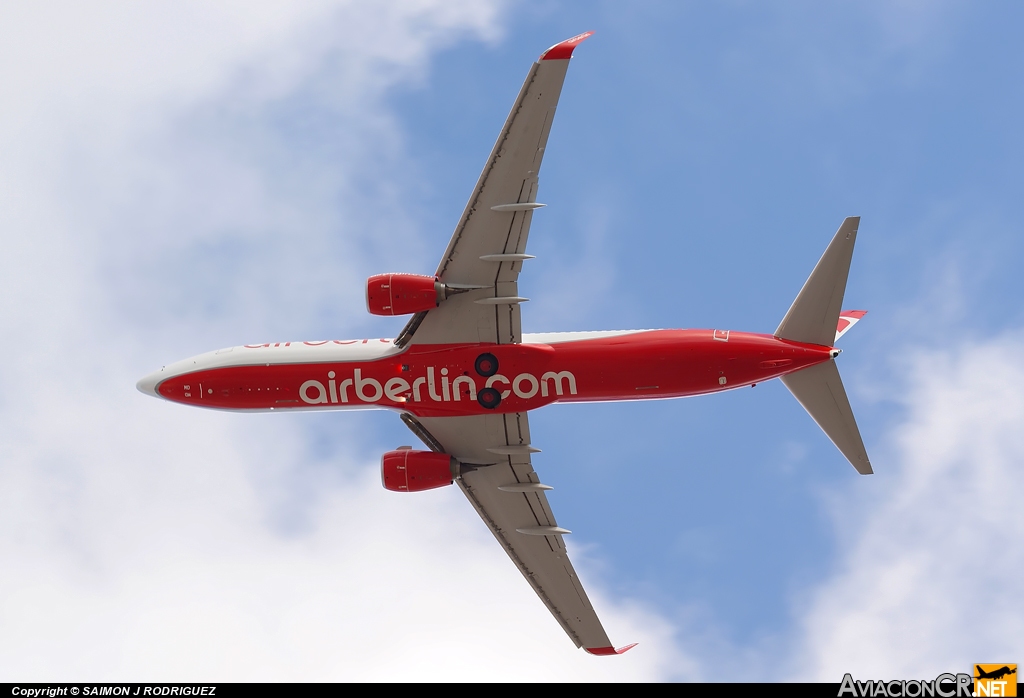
402	294
406	470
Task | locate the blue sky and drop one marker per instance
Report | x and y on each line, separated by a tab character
217	175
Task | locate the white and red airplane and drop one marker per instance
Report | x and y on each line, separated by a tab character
463	376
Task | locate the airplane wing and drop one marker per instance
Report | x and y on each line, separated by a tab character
487	250
509	497
482	265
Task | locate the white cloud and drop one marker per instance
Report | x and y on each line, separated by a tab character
930	578
146	184
159	563
157	201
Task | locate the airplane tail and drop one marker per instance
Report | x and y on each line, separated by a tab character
814	318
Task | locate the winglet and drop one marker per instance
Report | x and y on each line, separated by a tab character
563	51
607	651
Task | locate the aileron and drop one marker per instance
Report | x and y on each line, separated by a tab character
512	502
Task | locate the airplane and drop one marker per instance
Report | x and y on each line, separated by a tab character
463	376
994	674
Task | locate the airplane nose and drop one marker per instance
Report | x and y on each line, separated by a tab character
148	384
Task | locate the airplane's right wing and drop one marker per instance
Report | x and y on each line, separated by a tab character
508	496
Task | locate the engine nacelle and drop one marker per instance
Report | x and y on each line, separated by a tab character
402	294
414	471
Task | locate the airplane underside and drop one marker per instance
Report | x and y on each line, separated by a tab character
463	376
452	380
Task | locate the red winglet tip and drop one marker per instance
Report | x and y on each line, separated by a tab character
854	313
608	651
563	51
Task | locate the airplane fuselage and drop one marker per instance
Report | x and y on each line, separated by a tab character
443	380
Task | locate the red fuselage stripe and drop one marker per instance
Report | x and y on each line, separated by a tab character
440	380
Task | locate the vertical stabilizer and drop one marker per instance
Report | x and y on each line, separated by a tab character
820	390
814	314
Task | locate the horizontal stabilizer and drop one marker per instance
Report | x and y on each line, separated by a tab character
820	390
814	315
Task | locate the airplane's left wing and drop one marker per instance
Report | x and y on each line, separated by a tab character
508	495
487	250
